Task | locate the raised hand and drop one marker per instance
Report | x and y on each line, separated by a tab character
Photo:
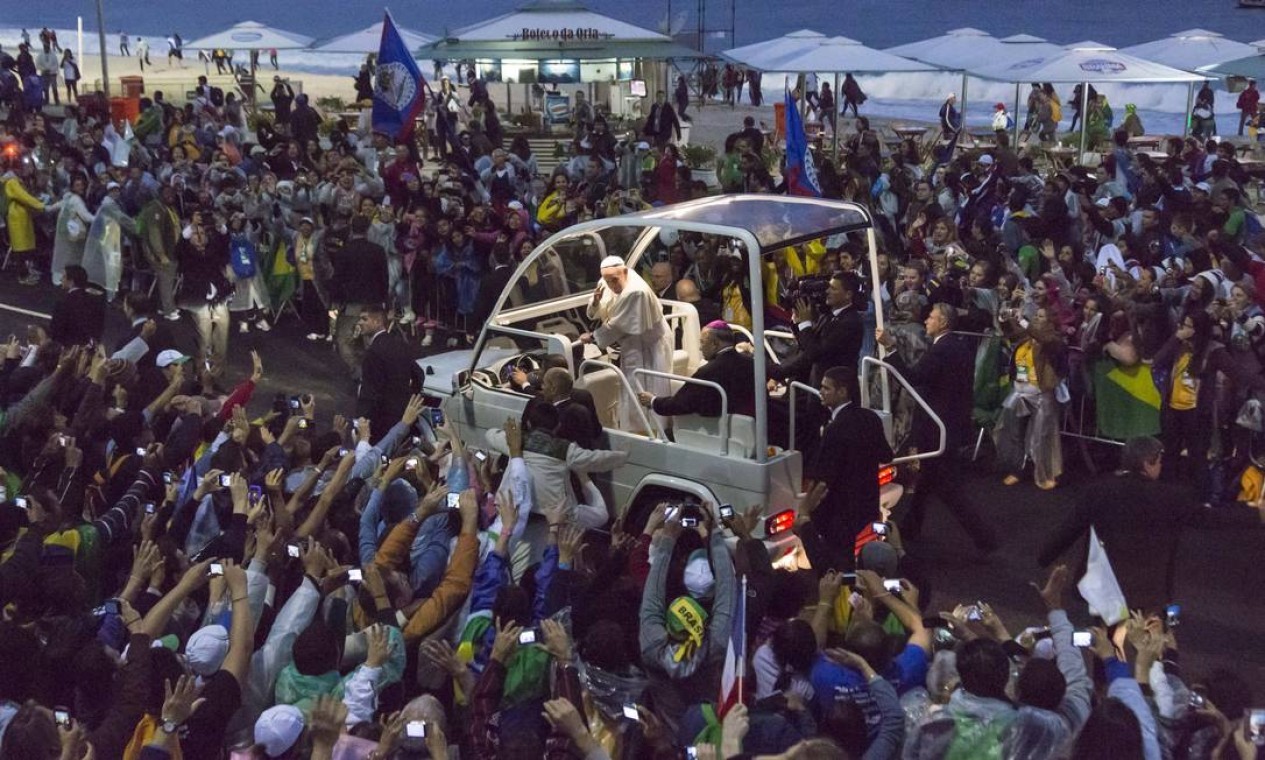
506	642
182	700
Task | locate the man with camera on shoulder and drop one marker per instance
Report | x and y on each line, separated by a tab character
828	334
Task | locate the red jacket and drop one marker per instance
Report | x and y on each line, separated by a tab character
1248	100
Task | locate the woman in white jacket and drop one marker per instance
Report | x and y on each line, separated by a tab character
73	222
103	251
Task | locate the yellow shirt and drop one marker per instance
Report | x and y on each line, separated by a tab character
1185	393
733	310
1025	363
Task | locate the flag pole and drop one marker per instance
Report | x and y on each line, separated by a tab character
742	655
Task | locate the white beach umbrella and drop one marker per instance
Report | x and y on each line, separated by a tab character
251	35
1192	49
369	39
778	46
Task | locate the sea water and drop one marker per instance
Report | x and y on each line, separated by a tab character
878	23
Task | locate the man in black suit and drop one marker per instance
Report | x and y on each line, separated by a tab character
853	448
945	378
708	310
830	339
558	388
79	317
732	371
360	280
385	374
662	122
1140	520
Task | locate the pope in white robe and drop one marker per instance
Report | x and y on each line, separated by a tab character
631	318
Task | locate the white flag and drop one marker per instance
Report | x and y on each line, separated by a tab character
1099	586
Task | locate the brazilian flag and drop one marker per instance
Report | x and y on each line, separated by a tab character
992	383
282	277
1127	400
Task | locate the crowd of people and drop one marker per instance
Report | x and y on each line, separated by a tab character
182	578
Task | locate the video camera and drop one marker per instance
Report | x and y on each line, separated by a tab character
811	288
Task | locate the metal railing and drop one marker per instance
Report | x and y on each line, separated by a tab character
651	430
797	385
724	400
869	362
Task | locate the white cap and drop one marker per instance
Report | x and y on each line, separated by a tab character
278	728
206	649
1207	188
113	186
169	357
986	160
1102	202
611	261
699	580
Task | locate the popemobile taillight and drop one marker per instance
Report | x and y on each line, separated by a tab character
779	523
886	475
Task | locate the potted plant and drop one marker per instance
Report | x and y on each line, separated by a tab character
331	103
702	162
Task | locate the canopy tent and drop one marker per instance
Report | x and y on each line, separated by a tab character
545	30
1192	50
1086	66
1089	45
369	39
810	55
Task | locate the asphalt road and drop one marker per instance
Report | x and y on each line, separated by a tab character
1221	577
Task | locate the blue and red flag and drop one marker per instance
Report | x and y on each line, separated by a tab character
801	173
399	90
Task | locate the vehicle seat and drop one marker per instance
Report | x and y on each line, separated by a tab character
559	326
605	385
703	433
681	363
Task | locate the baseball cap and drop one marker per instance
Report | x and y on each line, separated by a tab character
986	160
206	649
113	186
1207	188
1102	202
278	728
881	557
169	357
999	106
699	580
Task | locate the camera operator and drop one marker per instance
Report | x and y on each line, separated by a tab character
828	334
